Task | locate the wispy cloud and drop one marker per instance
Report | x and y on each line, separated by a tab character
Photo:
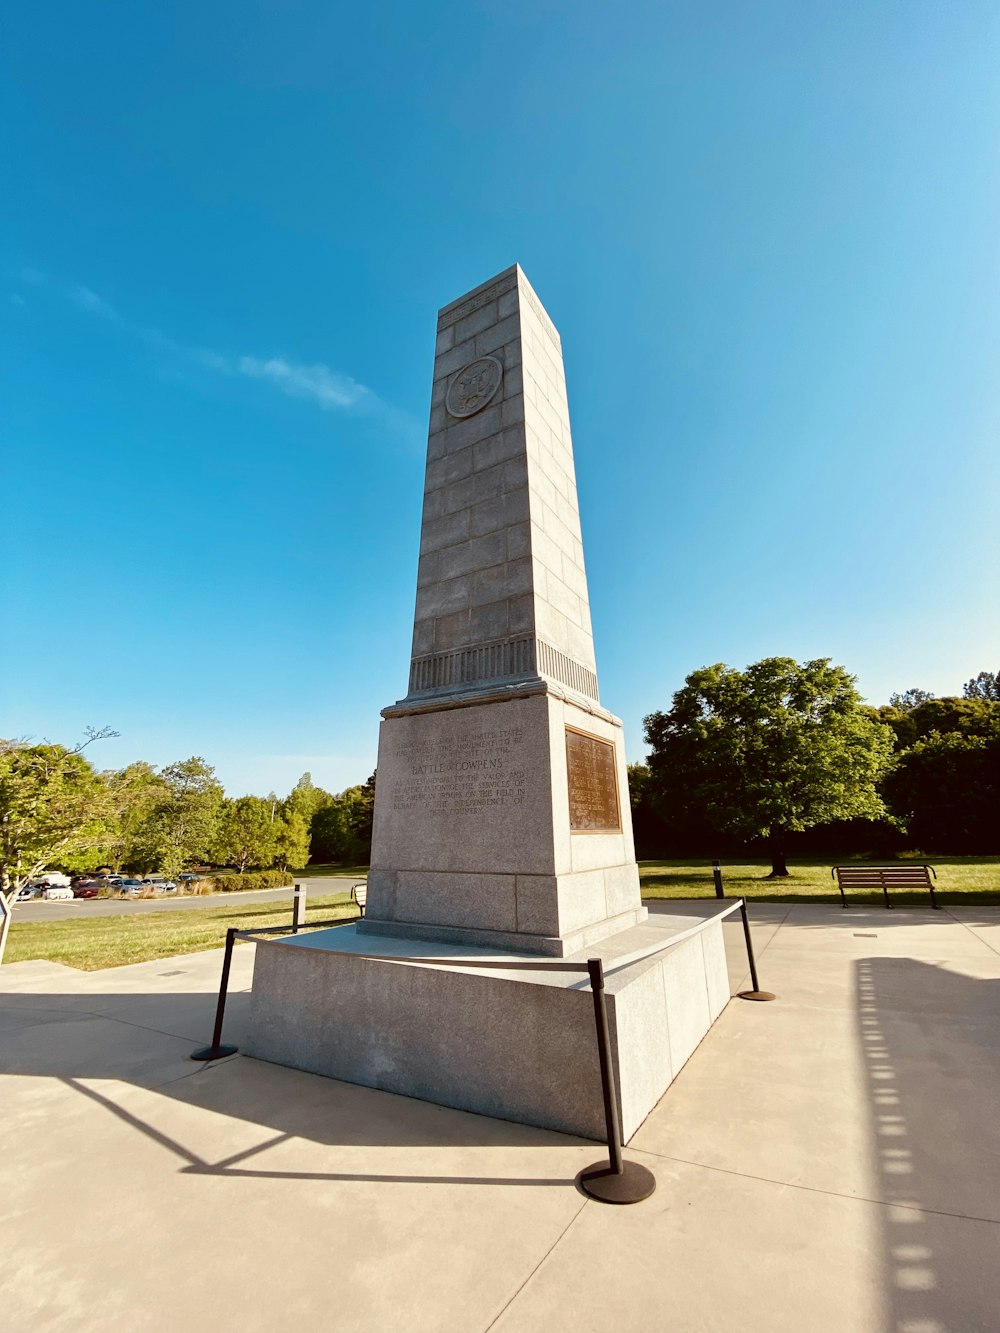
95	305
316	383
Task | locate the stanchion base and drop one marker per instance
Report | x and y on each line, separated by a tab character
213	1052
756	995
633	1185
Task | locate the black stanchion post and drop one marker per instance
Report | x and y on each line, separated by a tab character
299	908
756	993
717	876
619	1181
216	1051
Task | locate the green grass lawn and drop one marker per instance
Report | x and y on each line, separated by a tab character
113	941
963	879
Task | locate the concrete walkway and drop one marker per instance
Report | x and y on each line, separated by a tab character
827	1162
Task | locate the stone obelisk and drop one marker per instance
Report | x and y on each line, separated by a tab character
501	810
501	814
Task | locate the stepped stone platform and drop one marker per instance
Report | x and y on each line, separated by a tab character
515	1044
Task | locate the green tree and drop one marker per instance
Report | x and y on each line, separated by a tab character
769	751
305	798
945	785
291	840
137	795
911	698
53	806
362	820
984	686
332	832
186	818
246	833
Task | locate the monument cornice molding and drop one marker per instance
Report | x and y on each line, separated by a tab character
525	689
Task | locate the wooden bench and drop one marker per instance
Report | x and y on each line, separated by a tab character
360	895
885	878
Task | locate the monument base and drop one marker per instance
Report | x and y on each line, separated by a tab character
556	946
519	1045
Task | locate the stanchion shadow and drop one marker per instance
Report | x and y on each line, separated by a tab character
144	1042
930	1043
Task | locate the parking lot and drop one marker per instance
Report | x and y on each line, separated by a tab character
40	909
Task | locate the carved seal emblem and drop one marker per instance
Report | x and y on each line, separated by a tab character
473	387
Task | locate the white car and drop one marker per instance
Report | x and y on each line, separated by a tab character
53	884
57	892
52	879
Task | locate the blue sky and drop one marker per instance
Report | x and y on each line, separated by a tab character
767	233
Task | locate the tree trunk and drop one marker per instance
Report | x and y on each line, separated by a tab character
6	906
776	849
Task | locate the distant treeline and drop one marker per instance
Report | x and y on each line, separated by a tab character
58	811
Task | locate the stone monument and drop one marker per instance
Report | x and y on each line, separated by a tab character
502	824
502	815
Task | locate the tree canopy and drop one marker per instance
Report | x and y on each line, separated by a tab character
768	751
984	686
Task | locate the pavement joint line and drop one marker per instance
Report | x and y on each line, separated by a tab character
503	1310
975	935
112	1018
815	1189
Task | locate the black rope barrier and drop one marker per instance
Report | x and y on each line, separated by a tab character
618	1181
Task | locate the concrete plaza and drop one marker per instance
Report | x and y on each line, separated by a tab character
830	1161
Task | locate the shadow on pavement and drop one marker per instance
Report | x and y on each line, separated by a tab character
145	1040
930	1043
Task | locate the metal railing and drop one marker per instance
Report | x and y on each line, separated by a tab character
618	1180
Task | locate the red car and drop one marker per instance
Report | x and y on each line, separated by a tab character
87	888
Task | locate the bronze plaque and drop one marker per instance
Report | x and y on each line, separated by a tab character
593	784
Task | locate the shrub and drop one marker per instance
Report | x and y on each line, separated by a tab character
258	879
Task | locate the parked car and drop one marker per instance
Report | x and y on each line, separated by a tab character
188	878
27	893
58	892
86	887
160	883
51	885
129	888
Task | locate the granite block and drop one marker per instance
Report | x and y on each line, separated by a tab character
443	597
688	1013
518	538
447	468
455	359
537	903
445	531
423	637
489	622
481	900
451	632
458	433
498	335
520	614
483	318
509	511
476	553
497	448
514	1044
